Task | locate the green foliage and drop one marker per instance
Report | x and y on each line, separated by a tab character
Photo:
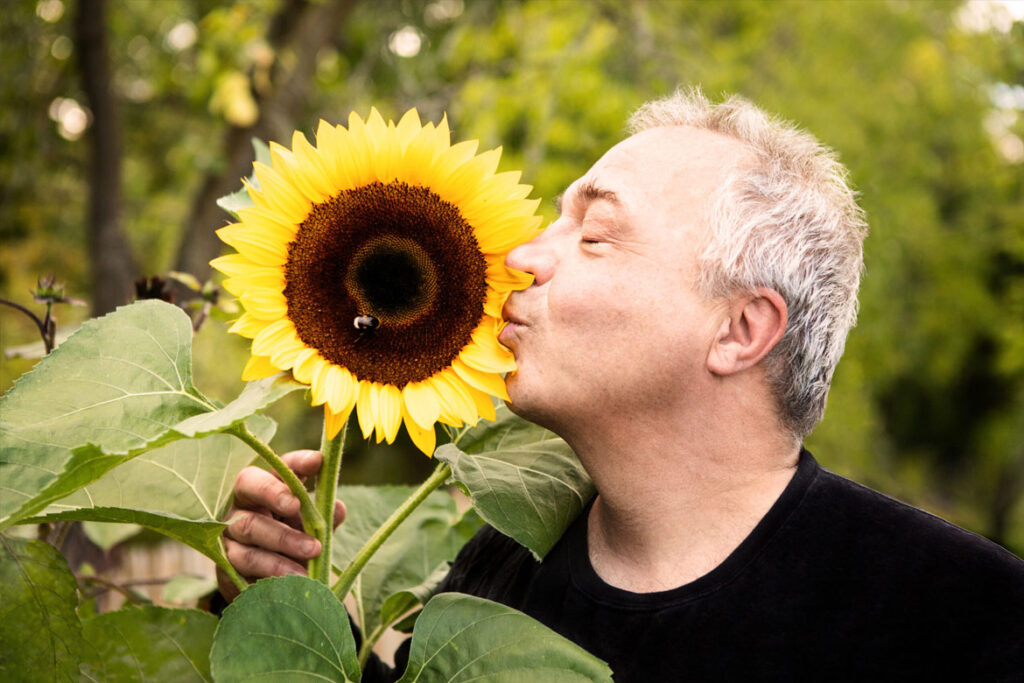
40	634
524	481
464	638
92	405
428	540
148	644
285	629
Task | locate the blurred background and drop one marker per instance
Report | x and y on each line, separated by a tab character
123	121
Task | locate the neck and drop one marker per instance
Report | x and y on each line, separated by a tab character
688	497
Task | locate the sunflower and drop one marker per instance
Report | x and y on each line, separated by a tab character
372	267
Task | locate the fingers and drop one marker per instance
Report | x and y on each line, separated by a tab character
257	563
304	463
258	489
254	529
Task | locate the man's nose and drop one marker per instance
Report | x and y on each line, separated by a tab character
536	257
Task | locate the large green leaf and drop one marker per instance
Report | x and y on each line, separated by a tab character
119	387
122	381
285	629
524	481
181	490
148	644
464	638
431	536
40	634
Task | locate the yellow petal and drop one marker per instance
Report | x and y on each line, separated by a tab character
258	246
341	391
390	411
266	278
422	403
247	326
318	383
305	364
456	400
264	304
485	353
277	193
425	439
272	337
365	409
258	367
233	264
488	382
333	422
484	404
408	126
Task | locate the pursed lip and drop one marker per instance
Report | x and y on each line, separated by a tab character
513	322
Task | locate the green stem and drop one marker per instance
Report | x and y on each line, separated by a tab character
312	521
440	476
326	492
368	642
229	569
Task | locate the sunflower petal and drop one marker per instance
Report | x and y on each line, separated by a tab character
264	304
485	353
390	411
487	382
424	438
305	364
259	247
258	367
247	326
365	410
341	389
421	403
484	405
333	422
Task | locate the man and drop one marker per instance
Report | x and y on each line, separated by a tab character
688	311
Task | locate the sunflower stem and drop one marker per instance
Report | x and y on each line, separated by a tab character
312	521
348	576
326	493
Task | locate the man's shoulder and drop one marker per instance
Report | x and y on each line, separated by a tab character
901	538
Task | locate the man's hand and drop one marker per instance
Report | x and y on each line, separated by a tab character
264	536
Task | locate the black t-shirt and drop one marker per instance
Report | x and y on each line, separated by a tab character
836	583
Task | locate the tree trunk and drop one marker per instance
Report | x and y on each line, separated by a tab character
307	28
110	254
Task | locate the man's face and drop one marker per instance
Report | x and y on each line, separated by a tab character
613	326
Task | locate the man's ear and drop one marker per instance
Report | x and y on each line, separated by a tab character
754	323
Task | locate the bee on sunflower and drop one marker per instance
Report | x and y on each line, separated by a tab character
372	267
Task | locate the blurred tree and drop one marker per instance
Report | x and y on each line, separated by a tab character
113	265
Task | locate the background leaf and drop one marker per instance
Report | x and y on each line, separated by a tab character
181	490
463	638
524	481
122	380
284	629
40	634
430	537
148	644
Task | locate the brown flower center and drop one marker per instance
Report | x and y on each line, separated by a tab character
400	254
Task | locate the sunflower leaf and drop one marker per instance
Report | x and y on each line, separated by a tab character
118	388
432	536
285	628
524	481
40	634
121	381
148	644
462	638
181	490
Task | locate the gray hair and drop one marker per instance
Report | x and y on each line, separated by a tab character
789	223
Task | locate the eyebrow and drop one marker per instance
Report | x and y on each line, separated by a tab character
590	191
